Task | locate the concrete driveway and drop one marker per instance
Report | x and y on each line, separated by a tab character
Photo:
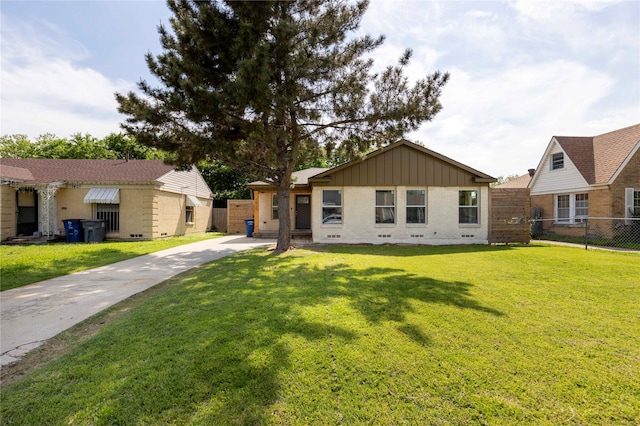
34	313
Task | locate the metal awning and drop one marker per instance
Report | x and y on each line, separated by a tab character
103	196
193	201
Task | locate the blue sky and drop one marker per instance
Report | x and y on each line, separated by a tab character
521	71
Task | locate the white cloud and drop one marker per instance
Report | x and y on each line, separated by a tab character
501	122
549	10
44	90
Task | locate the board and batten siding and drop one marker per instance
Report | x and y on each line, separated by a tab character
565	180
401	166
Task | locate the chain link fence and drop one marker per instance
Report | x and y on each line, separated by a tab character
590	231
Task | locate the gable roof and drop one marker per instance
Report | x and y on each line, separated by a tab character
300	178
398	154
599	158
47	170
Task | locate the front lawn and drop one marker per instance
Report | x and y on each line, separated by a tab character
27	264
355	335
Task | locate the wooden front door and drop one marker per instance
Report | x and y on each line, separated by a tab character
303	211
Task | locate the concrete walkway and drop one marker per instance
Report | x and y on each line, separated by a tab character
36	312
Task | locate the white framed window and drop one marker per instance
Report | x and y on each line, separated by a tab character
631	204
416	206
274	207
189	214
582	207
557	161
563	208
385	206
571	208
331	207
468	207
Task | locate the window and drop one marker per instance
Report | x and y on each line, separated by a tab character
557	161
189	214
416	206
111	214
468	207
582	207
571	208
563	208
274	207
385	206
636	203
331	206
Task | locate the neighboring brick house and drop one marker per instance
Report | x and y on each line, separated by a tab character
403	193
139	199
595	177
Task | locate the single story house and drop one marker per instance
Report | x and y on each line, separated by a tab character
138	199
588	177
403	193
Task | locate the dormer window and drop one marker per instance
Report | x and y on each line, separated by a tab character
557	161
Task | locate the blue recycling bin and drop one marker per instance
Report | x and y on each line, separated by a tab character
73	230
248	224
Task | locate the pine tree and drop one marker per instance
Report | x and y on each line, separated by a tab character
259	85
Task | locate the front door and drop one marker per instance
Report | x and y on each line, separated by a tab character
27	212
303	211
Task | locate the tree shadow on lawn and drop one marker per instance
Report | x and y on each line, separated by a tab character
228	342
387	294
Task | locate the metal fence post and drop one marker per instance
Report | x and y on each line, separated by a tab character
586	234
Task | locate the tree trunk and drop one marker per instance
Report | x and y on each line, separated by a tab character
284	215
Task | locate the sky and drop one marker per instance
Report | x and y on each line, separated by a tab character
520	71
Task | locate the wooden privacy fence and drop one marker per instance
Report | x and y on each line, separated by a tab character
237	212
510	216
220	219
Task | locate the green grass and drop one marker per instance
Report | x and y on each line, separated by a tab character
27	264
357	335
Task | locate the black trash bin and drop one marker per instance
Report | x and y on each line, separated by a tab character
73	230
248	224
94	230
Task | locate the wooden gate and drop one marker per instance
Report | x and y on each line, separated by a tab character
510	209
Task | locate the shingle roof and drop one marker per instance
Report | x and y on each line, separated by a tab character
599	157
300	178
519	182
45	170
17	174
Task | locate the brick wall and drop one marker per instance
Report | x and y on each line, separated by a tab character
237	212
629	178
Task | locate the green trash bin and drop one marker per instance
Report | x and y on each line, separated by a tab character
94	230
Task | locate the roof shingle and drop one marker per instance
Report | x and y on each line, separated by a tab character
599	157
46	170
